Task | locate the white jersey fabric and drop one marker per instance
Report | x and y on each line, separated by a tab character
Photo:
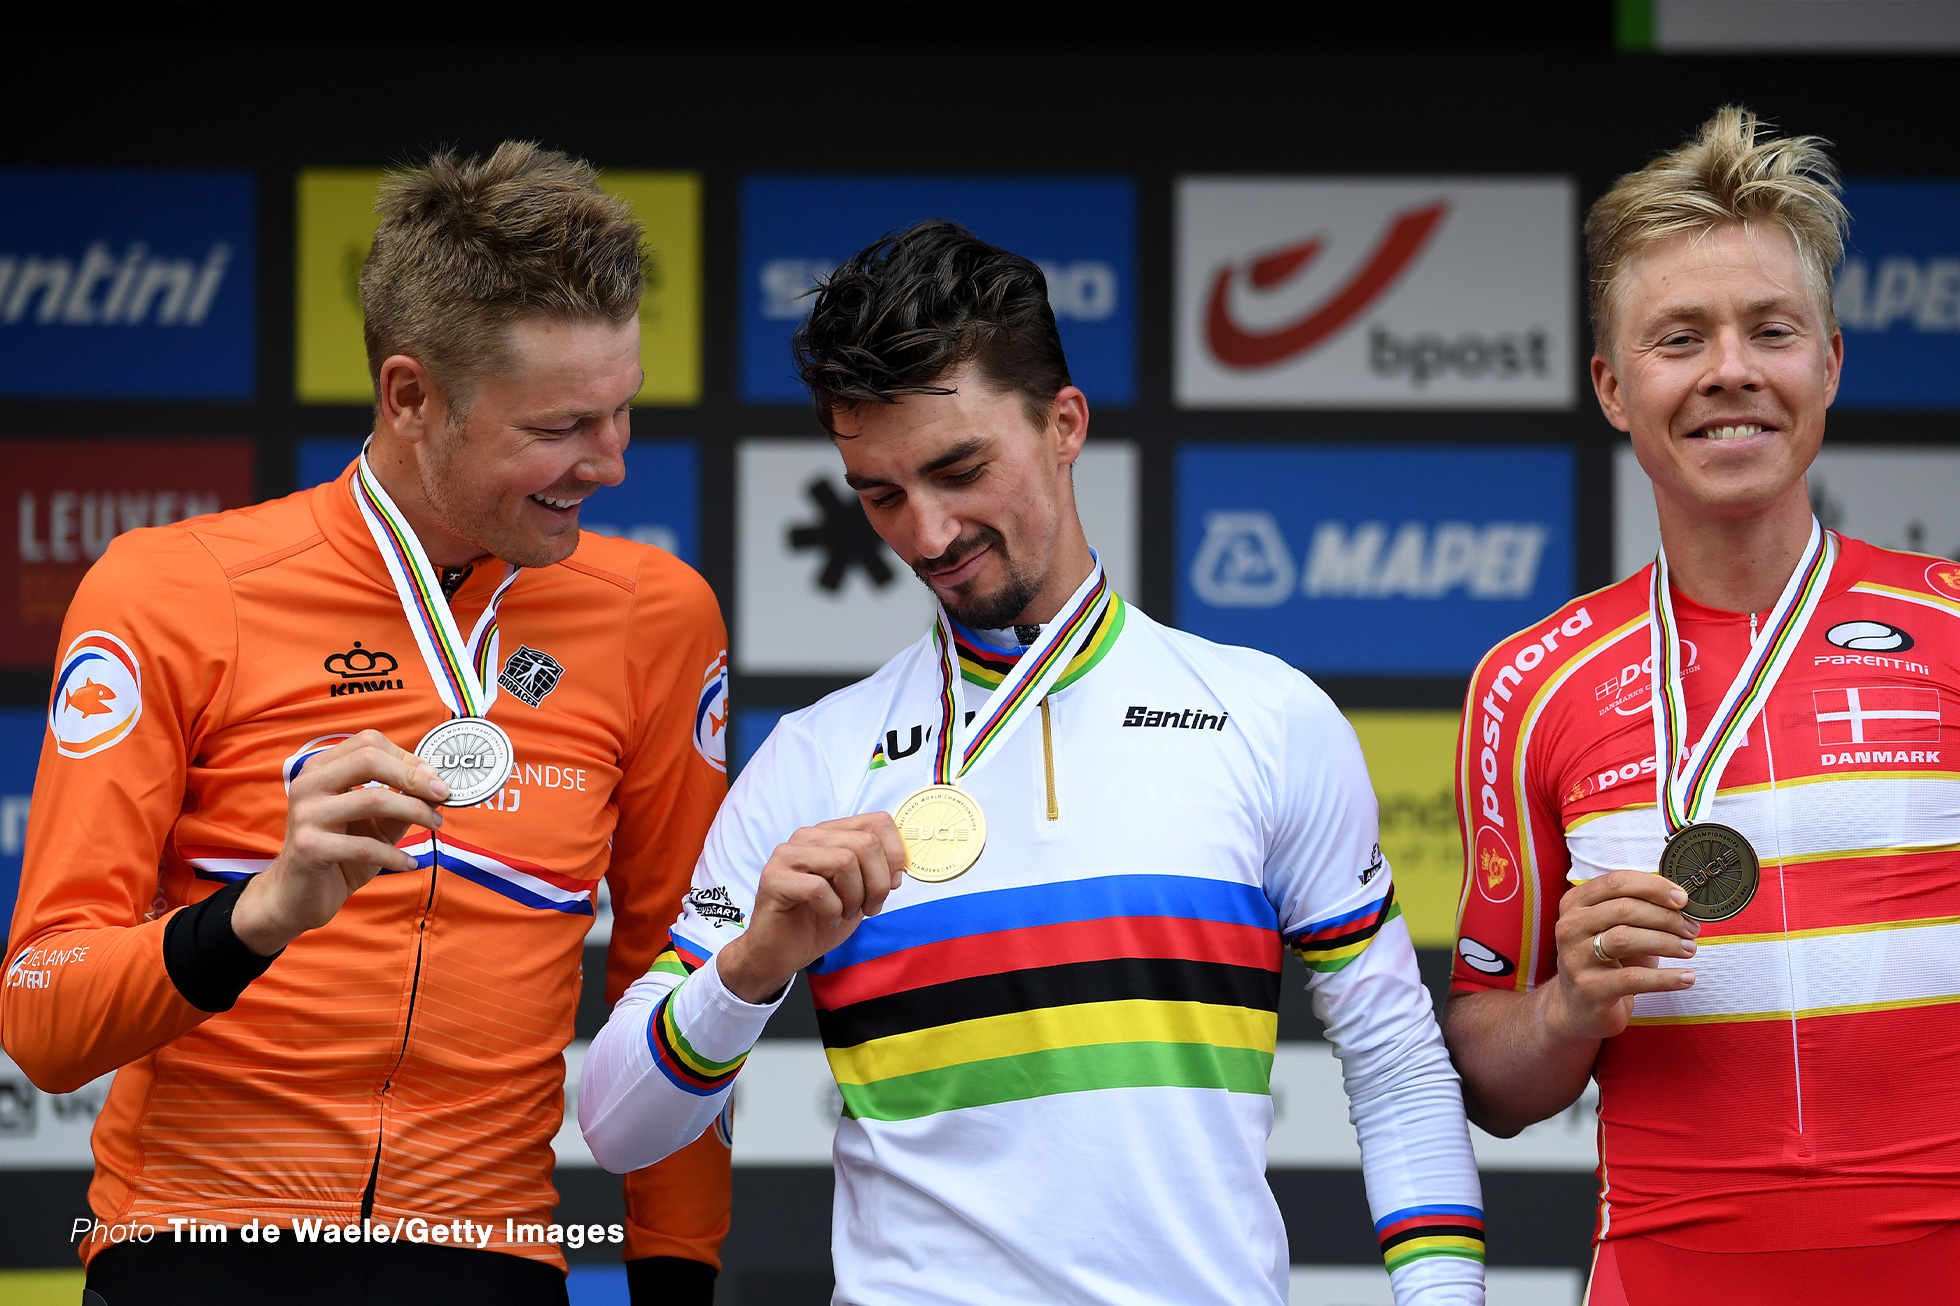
1056	1067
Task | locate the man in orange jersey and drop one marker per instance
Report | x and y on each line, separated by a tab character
337	1006
1774	1018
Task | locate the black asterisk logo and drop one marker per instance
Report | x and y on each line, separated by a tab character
845	537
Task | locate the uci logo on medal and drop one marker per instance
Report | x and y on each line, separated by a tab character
98	695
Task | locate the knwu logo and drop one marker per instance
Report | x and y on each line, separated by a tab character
1244	560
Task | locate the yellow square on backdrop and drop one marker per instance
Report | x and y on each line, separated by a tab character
1412	760
336	228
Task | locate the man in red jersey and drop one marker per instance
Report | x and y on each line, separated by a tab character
1772	1019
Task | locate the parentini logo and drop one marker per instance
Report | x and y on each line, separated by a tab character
1239	347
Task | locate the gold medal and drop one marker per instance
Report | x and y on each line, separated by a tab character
943	830
1715	866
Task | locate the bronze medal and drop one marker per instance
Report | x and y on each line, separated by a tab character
1715	866
944	832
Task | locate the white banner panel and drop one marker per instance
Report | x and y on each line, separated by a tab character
1412	292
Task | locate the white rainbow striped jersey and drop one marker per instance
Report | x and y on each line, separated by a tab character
1803	1093
1055	1069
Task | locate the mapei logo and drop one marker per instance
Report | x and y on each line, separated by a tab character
1245	561
1437	292
126	284
711	714
98	695
1897	295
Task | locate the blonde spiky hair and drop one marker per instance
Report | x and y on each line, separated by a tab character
1724	175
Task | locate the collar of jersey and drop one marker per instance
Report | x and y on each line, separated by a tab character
340	521
986	666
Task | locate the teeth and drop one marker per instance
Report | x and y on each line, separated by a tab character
556	503
1732	432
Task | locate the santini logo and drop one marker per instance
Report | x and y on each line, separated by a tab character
1244	561
1170	718
1869	636
104	289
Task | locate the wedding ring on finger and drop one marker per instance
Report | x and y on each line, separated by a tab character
1599	951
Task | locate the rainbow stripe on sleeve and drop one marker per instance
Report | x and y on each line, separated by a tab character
1121	981
1443	1229
687	1069
1327	945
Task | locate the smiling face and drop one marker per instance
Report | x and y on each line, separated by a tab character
547	427
973	496
1721	366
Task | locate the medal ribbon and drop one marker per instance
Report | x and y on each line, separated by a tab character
1686	790
957	751
464	671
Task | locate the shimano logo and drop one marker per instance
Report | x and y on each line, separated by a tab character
107	287
1245	561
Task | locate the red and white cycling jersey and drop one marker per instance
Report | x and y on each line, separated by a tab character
1806	1091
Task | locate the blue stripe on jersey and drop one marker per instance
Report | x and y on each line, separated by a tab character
1101	898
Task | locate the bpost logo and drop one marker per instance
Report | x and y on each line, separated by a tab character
126	284
1417	293
1081	231
337	221
1408	561
1898	295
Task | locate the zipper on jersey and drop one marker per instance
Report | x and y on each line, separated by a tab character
401	1053
1048	759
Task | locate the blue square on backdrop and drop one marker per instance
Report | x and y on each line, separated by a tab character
1898	296
1368	561
1081	230
658	503
127	284
21	731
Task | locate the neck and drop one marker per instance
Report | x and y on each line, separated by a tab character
396	467
1070	566
1735	564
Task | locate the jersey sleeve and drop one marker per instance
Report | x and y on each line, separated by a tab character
1515	857
148	644
672	782
1336	897
662	1068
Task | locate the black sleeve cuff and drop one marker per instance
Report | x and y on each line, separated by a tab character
670	1281
209	964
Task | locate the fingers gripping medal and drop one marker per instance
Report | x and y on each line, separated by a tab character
471	753
942	825
1715	864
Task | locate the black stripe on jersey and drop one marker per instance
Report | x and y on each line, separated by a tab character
1118	979
1434	1231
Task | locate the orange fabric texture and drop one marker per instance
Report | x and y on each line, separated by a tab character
418	1036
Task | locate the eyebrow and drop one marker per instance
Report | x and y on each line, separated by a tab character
960	452
583	414
1696	311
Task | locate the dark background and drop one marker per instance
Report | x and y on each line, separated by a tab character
1145	90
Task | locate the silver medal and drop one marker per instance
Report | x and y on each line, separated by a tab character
472	755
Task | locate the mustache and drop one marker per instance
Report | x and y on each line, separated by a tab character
960	550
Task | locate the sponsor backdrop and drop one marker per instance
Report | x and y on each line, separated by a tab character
1082	231
1333	339
128	284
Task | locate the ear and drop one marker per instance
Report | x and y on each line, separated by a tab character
1606	386
409	404
1833	367
1068	424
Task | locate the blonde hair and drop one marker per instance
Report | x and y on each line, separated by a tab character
467	245
1724	175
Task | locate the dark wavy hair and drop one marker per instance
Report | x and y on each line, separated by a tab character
908	309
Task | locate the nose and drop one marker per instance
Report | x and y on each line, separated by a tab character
934	529
605	454
1732	366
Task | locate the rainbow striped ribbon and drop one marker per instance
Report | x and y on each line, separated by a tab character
1686	789
464	671
959	749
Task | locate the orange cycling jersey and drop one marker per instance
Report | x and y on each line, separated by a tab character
1803	1093
405	1059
